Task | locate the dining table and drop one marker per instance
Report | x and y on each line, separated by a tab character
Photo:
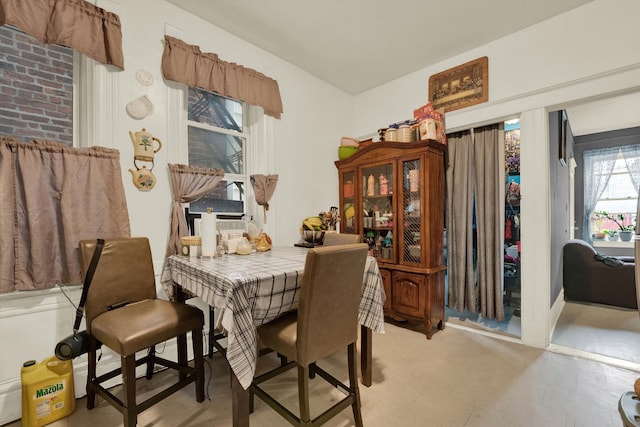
251	290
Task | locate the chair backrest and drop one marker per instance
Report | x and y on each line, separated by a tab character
124	274
331	239
329	300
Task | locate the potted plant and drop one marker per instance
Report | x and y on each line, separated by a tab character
625	231
600	235
612	235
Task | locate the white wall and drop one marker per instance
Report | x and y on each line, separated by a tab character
301	148
559	56
574	59
585	53
304	141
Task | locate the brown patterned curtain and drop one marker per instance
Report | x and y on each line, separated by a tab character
488	149
55	196
460	184
74	23
188	183
185	63
474	179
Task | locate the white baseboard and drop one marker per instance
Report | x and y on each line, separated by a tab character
11	390
556	311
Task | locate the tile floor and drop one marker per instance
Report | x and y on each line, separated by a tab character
456	379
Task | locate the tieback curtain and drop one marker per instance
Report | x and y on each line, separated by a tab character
188	183
185	63
53	197
77	24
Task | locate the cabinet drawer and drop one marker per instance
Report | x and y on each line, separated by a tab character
408	294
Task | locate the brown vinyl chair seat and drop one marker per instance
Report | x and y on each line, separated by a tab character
123	313
326	321
140	325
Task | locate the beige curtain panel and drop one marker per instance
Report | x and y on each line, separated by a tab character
460	185
475	176
55	196
74	23
188	183
185	63
488	149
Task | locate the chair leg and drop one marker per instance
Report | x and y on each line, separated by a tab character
283	359
196	336
212	330
91	373
312	372
151	353
303	395
182	353
353	383
129	390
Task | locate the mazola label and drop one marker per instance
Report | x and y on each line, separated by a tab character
53	388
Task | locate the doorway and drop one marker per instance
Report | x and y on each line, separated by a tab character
510	229
590	330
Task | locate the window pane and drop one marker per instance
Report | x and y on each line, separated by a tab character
619	187
216	150
215	110
228	198
216	140
618	198
36	83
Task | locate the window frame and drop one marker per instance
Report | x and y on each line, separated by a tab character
259	127
582	143
244	135
609	224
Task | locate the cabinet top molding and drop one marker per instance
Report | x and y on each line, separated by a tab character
392	149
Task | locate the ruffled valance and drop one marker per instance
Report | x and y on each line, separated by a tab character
185	63
77	24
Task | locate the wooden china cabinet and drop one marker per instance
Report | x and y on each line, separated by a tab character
392	193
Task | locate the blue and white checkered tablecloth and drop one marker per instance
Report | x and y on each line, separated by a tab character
254	289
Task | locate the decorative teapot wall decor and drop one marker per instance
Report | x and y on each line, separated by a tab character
143	178
145	146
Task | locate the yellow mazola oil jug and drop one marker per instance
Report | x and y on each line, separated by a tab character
47	391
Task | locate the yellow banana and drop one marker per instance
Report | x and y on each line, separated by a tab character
313	223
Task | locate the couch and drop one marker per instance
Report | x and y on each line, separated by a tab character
589	276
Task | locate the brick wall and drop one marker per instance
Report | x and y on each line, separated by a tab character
36	88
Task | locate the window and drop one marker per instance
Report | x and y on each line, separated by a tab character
36	84
217	139
615	170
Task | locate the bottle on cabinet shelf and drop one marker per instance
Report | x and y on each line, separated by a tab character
414	179
384	185
371	186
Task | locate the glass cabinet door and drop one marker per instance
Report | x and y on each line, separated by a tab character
377	210
411	251
348	222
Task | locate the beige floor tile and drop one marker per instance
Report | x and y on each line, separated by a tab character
456	379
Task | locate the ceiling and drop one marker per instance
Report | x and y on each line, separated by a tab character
356	45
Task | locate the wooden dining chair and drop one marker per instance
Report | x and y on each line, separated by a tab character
326	321
123	313
331	239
